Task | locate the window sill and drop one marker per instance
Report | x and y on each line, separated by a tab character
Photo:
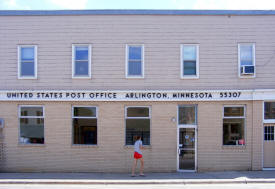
190	77
234	147
135	77
27	78
31	145
269	121
247	77
145	147
86	77
85	146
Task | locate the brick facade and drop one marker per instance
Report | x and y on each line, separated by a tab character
111	155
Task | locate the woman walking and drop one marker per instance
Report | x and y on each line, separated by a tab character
138	156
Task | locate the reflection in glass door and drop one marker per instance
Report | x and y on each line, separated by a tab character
187	149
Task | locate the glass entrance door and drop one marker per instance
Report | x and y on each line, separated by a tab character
187	149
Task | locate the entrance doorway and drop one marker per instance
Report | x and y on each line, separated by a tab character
187	139
269	146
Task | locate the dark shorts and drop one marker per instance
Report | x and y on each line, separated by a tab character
137	155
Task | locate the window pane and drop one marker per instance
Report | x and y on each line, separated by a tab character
187	115
246	55
233	111
81	68
189	52
189	68
269	110
31	111
187	159
27	68
137	127
32	130
134	68
81	53
137	112
27	53
85	131
246	62
135	53
187	138
85	111
233	132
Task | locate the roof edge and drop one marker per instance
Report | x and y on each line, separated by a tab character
132	12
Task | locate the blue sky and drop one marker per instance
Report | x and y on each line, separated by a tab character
135	4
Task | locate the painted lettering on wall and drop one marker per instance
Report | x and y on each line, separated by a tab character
122	95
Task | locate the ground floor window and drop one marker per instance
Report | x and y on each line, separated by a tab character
137	124
269	110
84	125
31	119
269	133
233	125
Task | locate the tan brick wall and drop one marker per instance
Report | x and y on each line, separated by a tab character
2	150
212	155
111	154
268	150
257	151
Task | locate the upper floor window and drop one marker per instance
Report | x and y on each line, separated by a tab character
27	62
269	112
134	61
81	61
246	60
190	61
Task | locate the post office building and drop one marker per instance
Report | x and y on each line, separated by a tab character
77	87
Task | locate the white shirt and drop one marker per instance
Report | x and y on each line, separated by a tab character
138	143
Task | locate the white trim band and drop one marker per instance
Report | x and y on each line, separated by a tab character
163	95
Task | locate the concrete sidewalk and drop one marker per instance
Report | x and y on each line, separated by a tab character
238	177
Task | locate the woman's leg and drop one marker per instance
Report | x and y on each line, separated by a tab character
134	166
141	166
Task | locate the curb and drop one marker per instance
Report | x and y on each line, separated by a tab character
125	182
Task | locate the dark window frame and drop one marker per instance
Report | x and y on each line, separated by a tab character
25	120
141	118
84	117
268	120
243	118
